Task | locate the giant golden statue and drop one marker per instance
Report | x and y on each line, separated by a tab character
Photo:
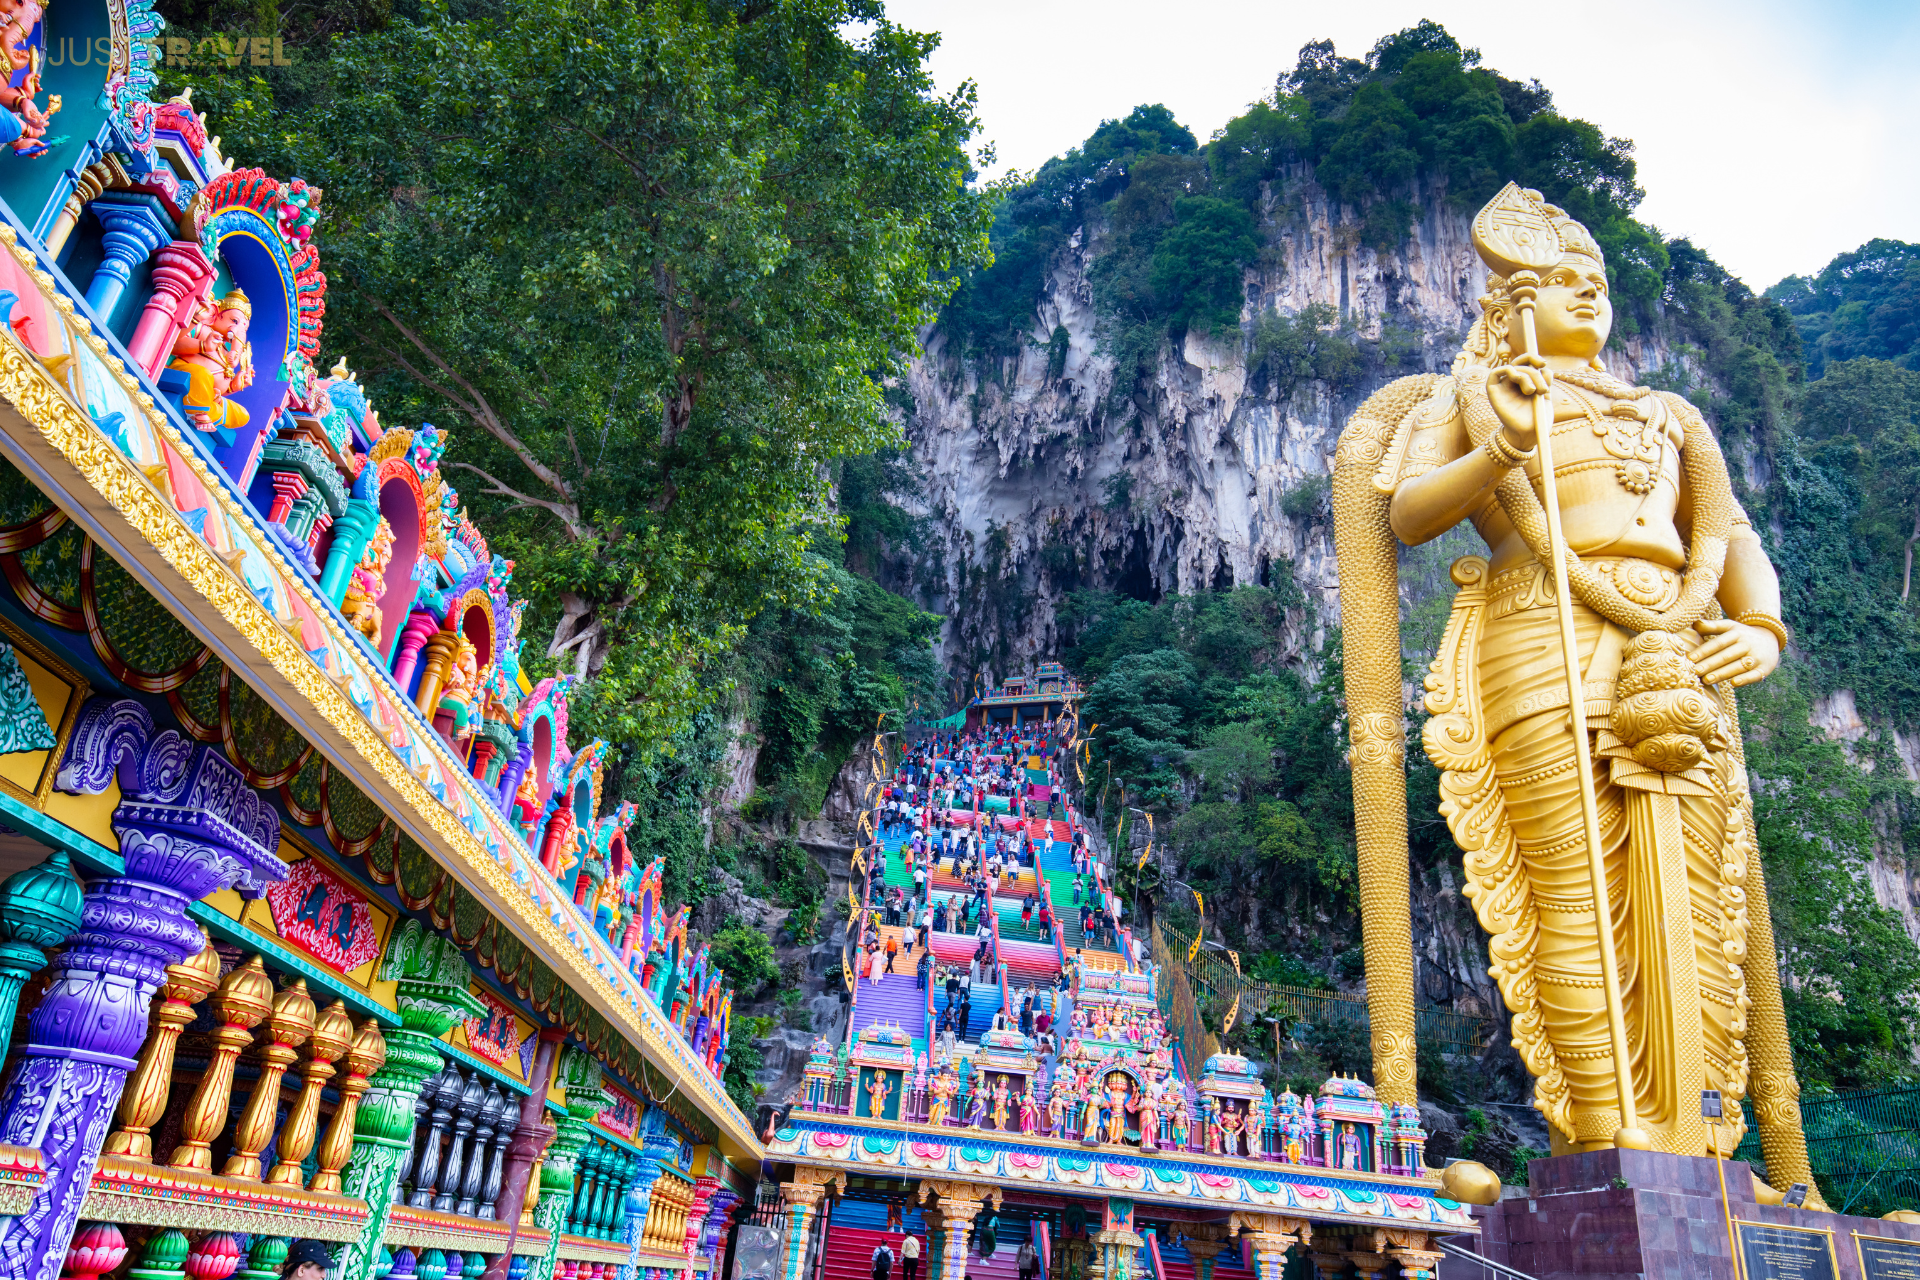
1624	1007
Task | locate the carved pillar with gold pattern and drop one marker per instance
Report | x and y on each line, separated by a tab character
366	1055
432	992
1417	1264
288	1027
1368	1263
1204	1252
959	1203
436	660
188	826
145	1099
332	1034
244	1000
103	175
1271	1237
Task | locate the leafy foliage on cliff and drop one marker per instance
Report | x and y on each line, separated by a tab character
1239	757
1173	225
822	681
1864	303
1849	972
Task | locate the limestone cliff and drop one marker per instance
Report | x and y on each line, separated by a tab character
1035	485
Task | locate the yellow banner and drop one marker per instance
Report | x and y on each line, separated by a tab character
1235	957
1233	1011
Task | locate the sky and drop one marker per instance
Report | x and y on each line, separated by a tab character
1774	135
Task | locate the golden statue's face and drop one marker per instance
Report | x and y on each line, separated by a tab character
1573	315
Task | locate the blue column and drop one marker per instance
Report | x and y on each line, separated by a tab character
657	1144
135	227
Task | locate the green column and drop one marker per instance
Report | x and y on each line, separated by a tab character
556	1188
936	1243
433	995
579	1076
352	532
39	907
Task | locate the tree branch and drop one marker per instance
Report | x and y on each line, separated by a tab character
652	185
568	515
477	406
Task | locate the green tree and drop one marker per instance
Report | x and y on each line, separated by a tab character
1199	264
1863	303
653	262
747	957
1143	704
1864	417
1847	966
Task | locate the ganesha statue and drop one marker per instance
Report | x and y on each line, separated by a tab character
214	353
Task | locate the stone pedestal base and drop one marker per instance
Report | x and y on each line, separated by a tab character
1667	1222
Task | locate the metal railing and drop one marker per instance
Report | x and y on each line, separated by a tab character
1501	1269
1864	1147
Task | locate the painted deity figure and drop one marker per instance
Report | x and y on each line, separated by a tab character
941	1097
1001	1094
1349	1146
1231	1122
1181	1132
368	584
1090	1117
1292	1139
1057	1105
214	353
28	124
1119	1101
879	1089
1675	603
463	681
1294	1150
1029	1113
977	1116
1149	1118
1212	1121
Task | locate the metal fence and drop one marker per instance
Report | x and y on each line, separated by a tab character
1864	1148
1212	977
1177	1001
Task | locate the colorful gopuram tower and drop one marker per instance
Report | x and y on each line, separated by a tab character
315	925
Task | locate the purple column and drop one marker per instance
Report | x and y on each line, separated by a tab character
511	776
713	1233
188	825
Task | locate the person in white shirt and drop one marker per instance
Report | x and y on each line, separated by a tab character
910	1258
